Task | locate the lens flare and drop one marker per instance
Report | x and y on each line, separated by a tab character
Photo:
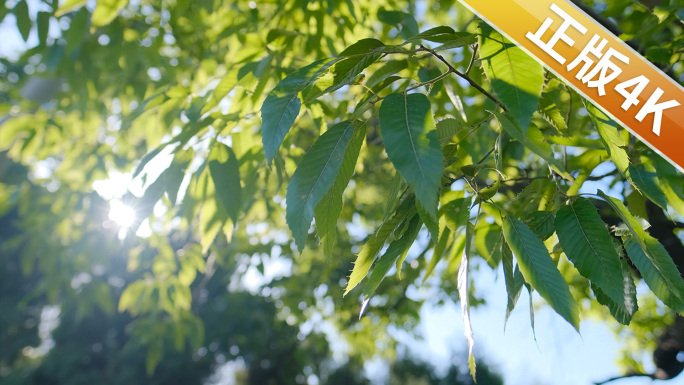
122	215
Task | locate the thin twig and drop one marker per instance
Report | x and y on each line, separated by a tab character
651	376
472	60
465	77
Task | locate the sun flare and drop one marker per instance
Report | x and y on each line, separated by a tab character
121	214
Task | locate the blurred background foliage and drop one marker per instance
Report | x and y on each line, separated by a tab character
121	102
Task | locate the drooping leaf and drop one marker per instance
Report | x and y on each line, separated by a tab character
541	223
588	244
457	212
21	13
622	312
533	139
388	69
445	237
648	184
408	24
375	242
462	283
650	258
355	59
395	250
281	106
106	11
516	78
395	191
225	171
43	24
612	140
514	280
68	6
314	176
328	210
538	269
408	132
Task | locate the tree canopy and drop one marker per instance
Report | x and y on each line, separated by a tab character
189	182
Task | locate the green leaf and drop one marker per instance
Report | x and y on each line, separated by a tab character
457	212
448	128
515	77
24	24
622	312
409	26
396	188
68	6
430	222
43	22
225	171
314	176
281	106
355	59
648	184
372	247
387	69
514	280
488	244
408	132
612	140
395	250
328	210
550	111
538	269
588	244
651	259
106	11
456	40
155	352
658	270
541	223
462	283
445	238
534	140
432	33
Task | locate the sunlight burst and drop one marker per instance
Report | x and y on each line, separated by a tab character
121	214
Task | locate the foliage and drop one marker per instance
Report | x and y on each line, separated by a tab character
237	120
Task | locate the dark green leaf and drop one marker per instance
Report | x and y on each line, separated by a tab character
624	311
514	280
225	171
538	269
24	24
372	247
355	59
43	22
388	69
651	259
408	132
541	223
648	184
516	78
314	176
588	244
281	107
328	210
457	212
395	250
409	26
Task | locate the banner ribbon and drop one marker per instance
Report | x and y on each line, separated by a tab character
598	65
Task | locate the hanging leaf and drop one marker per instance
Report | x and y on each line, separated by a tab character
395	250
408	132
514	280
516	78
372	247
354	60
612	140
538	269
650	258
622	312
462	283
105	11
649	185
281	106
533	139
541	223
408	24
314	176
588	244
225	172
445	238
328	210
24	24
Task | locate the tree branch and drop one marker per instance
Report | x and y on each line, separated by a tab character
651	376
470	81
